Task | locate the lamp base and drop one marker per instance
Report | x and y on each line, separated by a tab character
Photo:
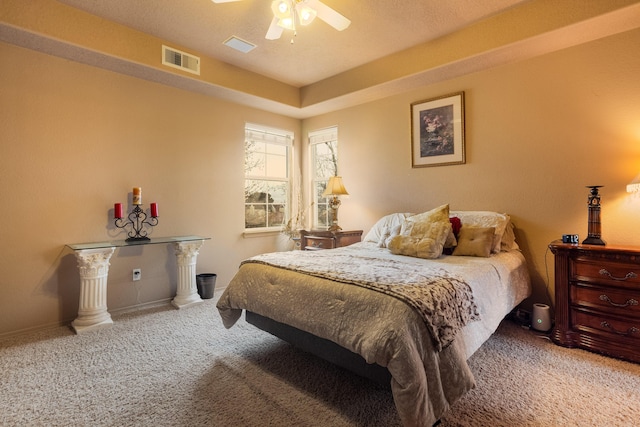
591	240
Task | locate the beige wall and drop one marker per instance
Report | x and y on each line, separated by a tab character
76	139
537	132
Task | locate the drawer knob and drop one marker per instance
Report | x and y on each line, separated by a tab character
626	304
630	275
631	330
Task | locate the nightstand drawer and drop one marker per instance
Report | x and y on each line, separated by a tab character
325	239
609	272
620	328
618	301
316	243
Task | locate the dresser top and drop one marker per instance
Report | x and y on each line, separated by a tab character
559	246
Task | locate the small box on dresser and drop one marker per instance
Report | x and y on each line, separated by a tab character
323	239
597	291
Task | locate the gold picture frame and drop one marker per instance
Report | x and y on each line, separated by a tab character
437	131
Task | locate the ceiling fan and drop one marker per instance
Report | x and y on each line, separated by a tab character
287	14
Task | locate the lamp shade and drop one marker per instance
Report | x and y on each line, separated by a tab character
335	187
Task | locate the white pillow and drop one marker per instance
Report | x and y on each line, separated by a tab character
392	233
385	225
485	219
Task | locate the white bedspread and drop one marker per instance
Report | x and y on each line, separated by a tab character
383	329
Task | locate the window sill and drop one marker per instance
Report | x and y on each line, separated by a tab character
261	232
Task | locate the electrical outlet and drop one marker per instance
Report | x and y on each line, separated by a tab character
137	274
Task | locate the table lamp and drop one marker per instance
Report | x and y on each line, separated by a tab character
335	188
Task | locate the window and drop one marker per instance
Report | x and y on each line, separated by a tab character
324	164
267	186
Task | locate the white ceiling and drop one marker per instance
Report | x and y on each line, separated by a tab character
378	28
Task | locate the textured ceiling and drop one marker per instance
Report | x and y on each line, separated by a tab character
378	28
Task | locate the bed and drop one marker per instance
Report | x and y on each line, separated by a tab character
392	307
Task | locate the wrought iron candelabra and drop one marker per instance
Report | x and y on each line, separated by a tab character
137	219
136	222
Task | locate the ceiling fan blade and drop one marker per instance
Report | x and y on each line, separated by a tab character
223	1
274	31
329	15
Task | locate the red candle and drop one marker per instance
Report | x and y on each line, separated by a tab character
154	209
117	210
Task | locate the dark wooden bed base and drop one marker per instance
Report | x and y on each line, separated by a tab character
323	348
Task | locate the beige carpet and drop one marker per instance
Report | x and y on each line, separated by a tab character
167	367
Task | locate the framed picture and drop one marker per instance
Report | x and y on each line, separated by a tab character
437	131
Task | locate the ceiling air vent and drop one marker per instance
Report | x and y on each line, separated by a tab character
237	43
181	60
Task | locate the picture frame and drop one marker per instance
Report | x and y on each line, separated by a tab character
437	131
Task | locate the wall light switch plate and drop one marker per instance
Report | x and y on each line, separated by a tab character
137	274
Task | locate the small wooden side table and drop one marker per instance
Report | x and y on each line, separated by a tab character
314	240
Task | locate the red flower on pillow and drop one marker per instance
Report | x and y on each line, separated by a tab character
456	224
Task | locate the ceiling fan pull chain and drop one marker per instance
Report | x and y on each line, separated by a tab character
294	16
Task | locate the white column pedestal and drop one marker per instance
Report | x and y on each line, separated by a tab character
187	292
94	268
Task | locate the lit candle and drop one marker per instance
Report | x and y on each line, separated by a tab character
137	195
154	210
117	210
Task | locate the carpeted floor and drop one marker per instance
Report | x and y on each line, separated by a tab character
167	367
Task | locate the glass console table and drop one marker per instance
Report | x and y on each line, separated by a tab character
93	263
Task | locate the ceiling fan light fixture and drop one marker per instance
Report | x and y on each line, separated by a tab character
281	9
288	14
286	23
306	14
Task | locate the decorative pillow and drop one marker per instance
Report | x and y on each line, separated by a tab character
433	224
485	219
417	225
508	242
384	224
475	241
421	247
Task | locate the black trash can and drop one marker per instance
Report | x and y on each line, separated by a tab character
206	284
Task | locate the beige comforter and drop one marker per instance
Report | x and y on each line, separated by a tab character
382	329
443	300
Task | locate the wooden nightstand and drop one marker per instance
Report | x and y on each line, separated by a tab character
322	239
598	299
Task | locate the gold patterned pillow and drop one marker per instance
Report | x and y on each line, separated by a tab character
475	241
429	245
417	225
421	226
